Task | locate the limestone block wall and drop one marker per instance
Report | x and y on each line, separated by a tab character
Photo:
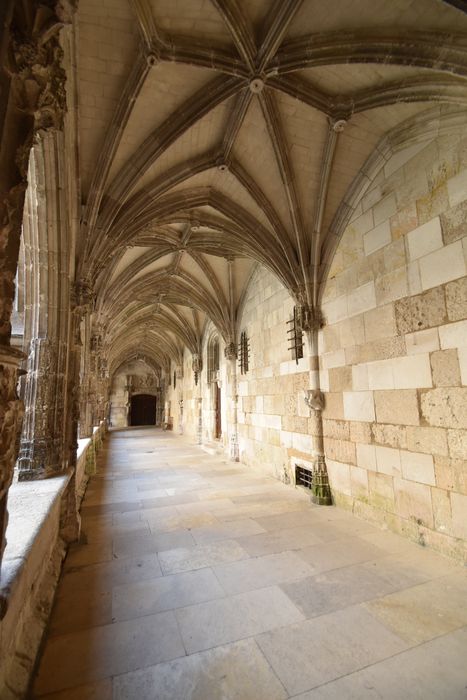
274	427
394	350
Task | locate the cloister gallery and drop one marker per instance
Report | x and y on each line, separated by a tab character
241	224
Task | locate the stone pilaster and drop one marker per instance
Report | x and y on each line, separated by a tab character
199	426
230	353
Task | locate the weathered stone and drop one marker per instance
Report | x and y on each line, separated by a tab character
445	473
456	299
413	501
441	510
457	440
446	408
359	482
398	407
333	406
380	323
393	285
377	350
351	331
360	432
331	339
389	435
422	311
339	430
340	379
381	490
459	515
445	368
340	450
429	440
404	221
454	223
432	204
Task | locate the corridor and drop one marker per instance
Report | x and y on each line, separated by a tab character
197	578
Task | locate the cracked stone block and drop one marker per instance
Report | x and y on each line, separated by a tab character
422	311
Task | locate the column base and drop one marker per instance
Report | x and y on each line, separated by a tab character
320	490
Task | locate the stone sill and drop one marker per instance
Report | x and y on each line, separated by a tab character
30	504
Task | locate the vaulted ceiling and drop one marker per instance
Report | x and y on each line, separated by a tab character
216	134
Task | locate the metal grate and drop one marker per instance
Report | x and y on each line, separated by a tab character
303	476
296	336
244	352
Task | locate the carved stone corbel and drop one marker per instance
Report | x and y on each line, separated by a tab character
230	351
314	399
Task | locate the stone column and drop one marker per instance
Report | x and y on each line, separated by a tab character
42	439
86	391
81	299
32	99
231	357
47	247
314	398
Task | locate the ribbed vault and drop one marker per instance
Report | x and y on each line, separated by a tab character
216	135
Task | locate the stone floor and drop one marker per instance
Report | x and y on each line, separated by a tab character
200	579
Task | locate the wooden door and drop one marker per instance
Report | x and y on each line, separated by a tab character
143	410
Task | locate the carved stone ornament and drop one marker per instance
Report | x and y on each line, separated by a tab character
230	351
36	64
82	296
310	318
314	399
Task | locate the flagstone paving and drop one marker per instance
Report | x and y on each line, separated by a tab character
200	579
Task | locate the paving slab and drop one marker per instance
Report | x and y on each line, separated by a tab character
198	579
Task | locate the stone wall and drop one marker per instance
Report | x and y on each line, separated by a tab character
119	394
394	350
30	571
274	425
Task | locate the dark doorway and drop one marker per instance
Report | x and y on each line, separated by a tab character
218	413
143	410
